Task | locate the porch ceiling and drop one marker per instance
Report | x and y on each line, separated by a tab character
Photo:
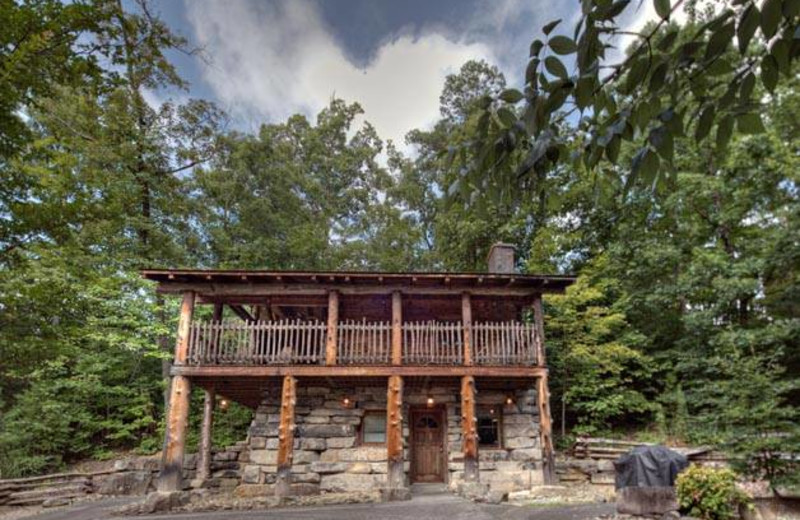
248	391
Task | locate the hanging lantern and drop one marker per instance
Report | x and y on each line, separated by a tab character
223	404
430	401
347	403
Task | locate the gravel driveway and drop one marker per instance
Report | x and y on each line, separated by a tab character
425	507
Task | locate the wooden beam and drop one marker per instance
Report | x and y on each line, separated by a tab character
170	478
538	320
219	310
469	429
184	322
546	429
356	371
204	452
333	328
397	329
283	484
466	318
241	312
321	289
394	433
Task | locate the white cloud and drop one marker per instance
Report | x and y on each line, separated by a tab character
270	61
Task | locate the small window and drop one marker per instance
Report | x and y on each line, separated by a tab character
490	426
373	428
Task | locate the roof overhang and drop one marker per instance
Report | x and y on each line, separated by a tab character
266	283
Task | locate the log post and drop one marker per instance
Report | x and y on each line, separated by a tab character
170	478
204	455
184	323
333	328
466	318
469	429
283	484
397	328
538	321
546	430
394	433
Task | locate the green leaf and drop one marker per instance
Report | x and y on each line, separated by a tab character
791	8
547	29
612	148
780	50
724	132
704	123
536	47
719	40
770	17
614	10
769	72
749	123
662	141
506	116
511	95
636	73
562	45
583	92
555	67
746	89
658	76
662	8
531	71
666	42
748	23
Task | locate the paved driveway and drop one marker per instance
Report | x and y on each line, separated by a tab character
425	507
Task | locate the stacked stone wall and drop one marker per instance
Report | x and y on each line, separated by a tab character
517	464
328	456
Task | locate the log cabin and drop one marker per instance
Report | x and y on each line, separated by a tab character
365	380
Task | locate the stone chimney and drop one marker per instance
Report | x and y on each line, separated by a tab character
501	258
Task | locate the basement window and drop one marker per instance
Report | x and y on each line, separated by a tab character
490	425
373	428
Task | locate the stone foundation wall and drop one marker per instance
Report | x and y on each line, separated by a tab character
517	465
329	458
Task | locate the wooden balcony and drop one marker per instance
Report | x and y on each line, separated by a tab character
361	343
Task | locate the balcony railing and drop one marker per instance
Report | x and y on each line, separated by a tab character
298	342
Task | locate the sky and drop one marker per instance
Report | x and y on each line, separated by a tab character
265	60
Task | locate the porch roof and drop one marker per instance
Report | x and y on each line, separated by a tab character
176	280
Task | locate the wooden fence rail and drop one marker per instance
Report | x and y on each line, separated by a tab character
504	343
282	342
433	343
364	343
299	342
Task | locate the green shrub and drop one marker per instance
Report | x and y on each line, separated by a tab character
709	493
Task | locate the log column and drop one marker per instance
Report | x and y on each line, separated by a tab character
466	318
170	477
469	429
397	328
204	455
286	428
546	429
538	321
543	398
333	328
394	433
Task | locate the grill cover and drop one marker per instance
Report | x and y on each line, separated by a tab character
649	466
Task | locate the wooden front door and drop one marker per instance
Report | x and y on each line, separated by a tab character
428	457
